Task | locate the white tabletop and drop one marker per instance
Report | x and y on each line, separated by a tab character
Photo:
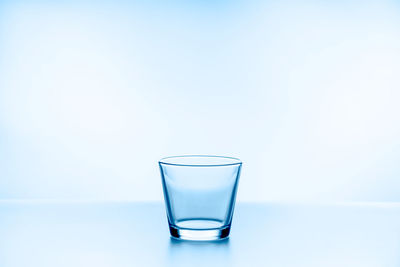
136	234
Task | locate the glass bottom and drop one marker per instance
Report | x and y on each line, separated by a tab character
199	230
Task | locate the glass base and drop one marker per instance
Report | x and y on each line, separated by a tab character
199	234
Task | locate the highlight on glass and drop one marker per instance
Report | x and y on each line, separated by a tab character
200	193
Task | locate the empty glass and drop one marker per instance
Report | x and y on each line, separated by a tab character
200	194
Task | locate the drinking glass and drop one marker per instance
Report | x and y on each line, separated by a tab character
200	193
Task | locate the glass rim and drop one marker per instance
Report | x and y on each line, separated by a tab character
233	161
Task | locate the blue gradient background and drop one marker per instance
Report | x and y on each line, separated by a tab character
307	94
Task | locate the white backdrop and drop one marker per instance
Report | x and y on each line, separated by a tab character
307	94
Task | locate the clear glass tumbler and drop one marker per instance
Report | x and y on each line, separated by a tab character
200	193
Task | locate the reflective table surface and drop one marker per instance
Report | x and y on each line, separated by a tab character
45	233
